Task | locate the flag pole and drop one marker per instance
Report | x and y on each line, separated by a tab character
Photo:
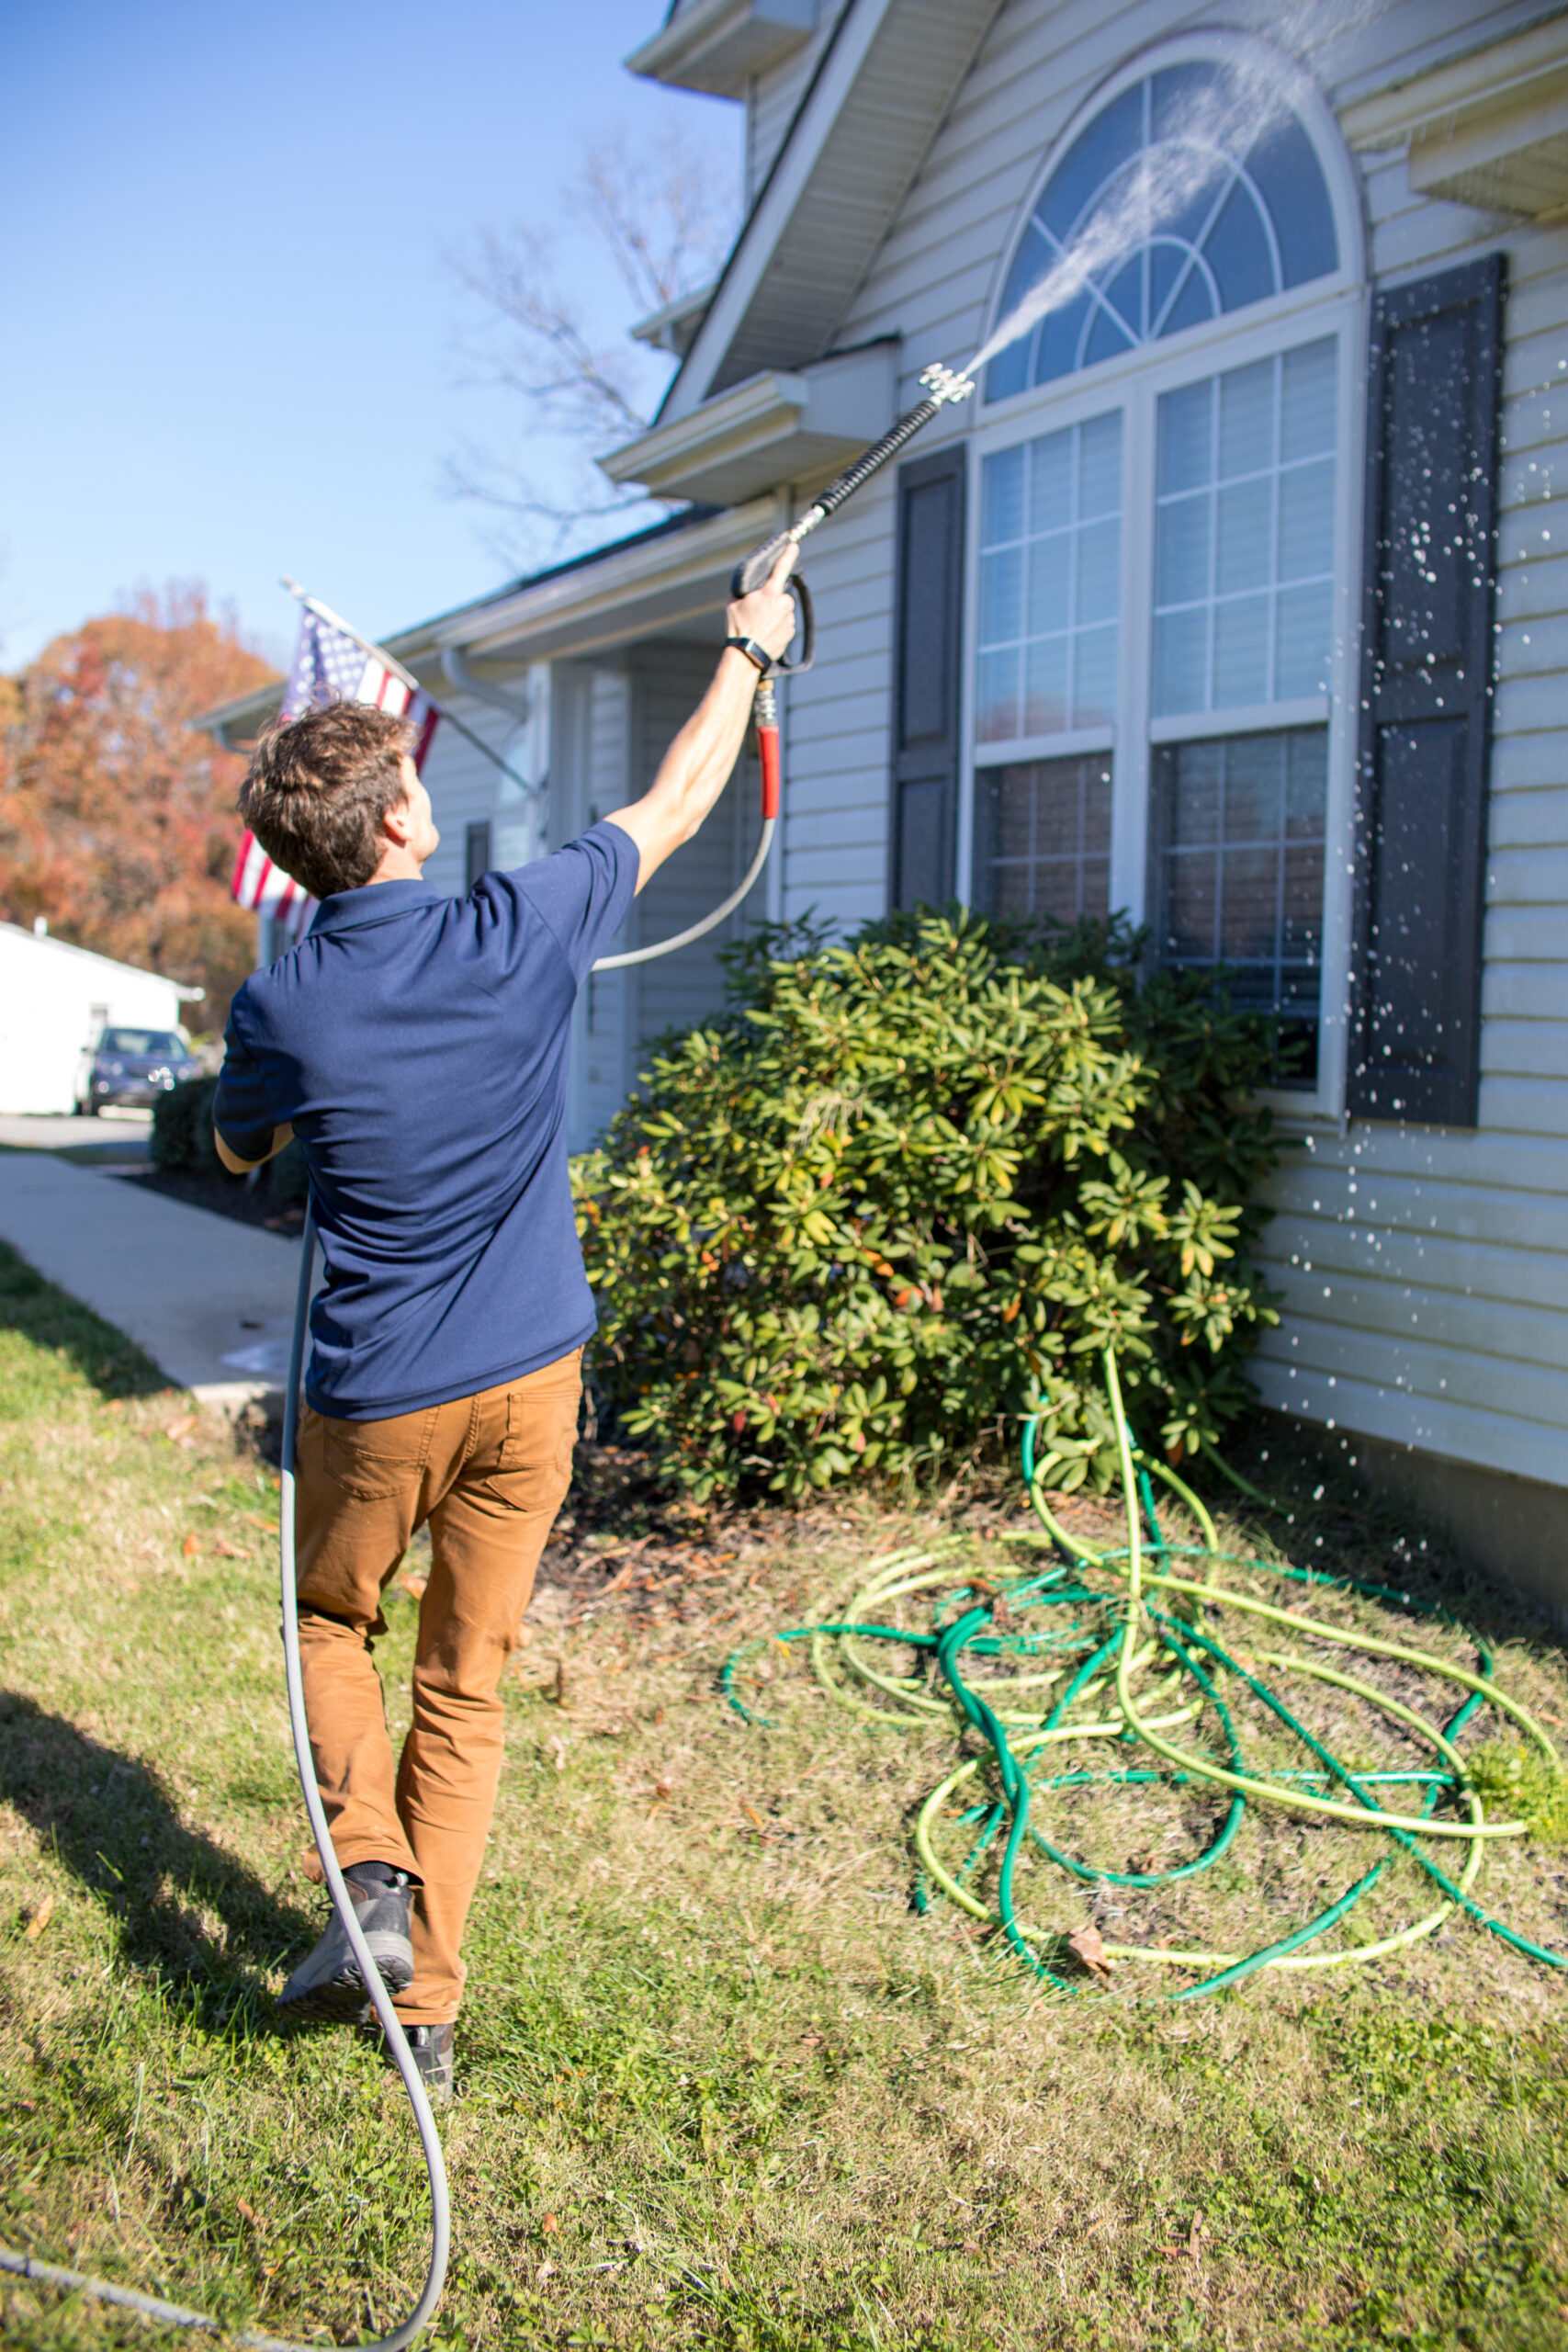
379	653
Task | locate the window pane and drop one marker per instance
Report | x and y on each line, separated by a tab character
1058	589
1186	459
1242	536
1241	653
1045	685
1049	581
1307	424
1272	522
1098	573
1306	520
996	713
1050	483
1187	930
1002	498
1094	677
1255	903
1255	785
1100	467
1042	839
1181	550
1302	650
1246	419
1001	596
1237	249
1181	661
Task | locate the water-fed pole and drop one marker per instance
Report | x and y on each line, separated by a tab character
942	385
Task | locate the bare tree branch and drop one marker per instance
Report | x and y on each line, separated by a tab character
659	212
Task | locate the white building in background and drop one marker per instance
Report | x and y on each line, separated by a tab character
54	1001
1234	599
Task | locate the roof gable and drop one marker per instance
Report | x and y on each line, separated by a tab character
882	86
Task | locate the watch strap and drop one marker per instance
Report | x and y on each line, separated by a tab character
755	653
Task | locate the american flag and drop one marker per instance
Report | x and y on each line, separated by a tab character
328	666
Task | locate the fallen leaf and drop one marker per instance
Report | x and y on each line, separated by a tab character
754	1814
549	2224
191	1547
412	1582
225	1550
971	2245
40	1919
545	2270
557	1751
176	1430
1087	1948
248	2211
269	1526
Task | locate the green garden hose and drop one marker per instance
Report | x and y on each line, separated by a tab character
1132	1664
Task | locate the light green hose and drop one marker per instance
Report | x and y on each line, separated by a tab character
1131	1668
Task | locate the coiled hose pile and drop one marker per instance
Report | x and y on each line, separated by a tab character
1123	1654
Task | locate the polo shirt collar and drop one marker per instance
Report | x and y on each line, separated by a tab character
350	910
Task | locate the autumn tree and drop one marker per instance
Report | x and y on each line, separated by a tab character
117	822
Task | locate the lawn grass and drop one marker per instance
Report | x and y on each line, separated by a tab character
721	2084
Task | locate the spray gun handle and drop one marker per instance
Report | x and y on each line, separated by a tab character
750	574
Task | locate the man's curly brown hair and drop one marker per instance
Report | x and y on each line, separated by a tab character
317	787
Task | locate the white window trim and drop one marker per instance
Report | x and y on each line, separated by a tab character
1134	382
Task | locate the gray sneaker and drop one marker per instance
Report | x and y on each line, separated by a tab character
328	1987
431	2050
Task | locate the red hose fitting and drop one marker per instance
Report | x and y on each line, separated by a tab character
768	755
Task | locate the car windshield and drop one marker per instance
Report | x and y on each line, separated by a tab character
143	1041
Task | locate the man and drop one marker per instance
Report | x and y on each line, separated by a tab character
416	1044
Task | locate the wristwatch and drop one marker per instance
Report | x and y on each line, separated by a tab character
754	652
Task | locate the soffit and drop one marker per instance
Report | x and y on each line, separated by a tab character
880	91
720	46
1489	128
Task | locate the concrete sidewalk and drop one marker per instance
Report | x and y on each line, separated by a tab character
210	1300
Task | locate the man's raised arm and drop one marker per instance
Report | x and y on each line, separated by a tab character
697	766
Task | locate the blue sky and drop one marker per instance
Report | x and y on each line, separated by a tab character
232	329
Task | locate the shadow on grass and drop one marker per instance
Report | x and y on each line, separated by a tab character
187	1914
60	1326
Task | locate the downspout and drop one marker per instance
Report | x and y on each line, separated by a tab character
459	674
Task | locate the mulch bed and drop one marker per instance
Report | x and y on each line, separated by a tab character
225	1195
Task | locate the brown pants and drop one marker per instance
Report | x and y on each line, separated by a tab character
489	1473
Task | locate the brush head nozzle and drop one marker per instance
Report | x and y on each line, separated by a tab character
947	384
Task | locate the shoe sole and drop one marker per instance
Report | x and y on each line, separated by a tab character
342	2000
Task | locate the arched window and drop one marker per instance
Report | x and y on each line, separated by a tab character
1164	535
1195	193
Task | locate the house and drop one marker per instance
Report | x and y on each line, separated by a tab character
55	1003
1232	598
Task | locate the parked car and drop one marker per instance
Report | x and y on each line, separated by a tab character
134	1067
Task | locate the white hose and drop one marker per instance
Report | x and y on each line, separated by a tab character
101	2290
708	922
171	2314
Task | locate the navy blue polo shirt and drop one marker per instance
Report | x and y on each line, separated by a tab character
418	1047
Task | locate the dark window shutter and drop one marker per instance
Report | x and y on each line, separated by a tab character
1427	656
928	633
476	850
